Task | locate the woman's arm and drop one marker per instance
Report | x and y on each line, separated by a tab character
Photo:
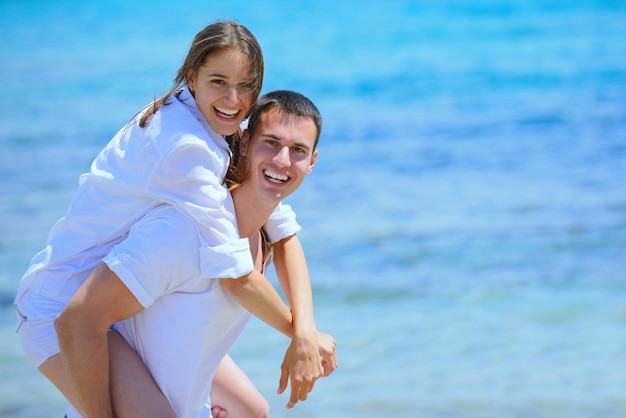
302	360
255	293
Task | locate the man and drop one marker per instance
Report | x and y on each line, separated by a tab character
151	286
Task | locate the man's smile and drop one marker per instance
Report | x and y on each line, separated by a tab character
275	177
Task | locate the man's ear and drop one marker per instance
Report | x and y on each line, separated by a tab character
312	163
243	144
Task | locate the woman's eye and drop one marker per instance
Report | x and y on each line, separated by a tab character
245	88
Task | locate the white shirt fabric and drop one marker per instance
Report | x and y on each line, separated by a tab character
178	160
188	325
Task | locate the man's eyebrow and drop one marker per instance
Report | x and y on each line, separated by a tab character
273	136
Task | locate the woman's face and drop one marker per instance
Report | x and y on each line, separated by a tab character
221	90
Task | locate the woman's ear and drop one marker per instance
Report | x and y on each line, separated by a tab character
190	81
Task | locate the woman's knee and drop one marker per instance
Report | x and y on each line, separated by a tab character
260	408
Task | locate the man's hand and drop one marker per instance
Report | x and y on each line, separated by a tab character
303	365
328	352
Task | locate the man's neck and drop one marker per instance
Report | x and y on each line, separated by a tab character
252	213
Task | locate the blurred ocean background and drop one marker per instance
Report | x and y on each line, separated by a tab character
465	224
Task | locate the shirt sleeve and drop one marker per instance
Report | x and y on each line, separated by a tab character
282	223
189	177
159	256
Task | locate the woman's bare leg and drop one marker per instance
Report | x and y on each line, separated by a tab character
133	390
135	394
234	392
54	370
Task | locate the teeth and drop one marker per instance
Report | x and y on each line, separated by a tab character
226	111
275	177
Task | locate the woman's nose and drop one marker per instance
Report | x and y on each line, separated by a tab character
232	95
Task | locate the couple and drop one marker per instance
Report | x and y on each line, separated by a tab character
163	273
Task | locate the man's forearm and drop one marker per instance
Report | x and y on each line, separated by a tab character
294	279
82	329
86	359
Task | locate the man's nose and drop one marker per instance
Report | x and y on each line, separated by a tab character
282	157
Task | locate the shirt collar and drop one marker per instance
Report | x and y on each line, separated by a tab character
187	99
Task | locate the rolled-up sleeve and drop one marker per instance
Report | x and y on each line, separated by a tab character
189	177
160	256
282	223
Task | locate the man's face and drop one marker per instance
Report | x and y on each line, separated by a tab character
280	154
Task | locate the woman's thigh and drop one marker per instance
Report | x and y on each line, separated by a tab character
133	390
36	314
54	370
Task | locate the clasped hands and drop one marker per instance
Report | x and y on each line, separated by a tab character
308	358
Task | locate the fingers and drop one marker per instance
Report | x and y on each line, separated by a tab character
305	362
330	364
218	412
328	352
299	392
293	400
301	387
284	378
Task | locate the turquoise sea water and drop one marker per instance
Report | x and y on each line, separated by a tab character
465	224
